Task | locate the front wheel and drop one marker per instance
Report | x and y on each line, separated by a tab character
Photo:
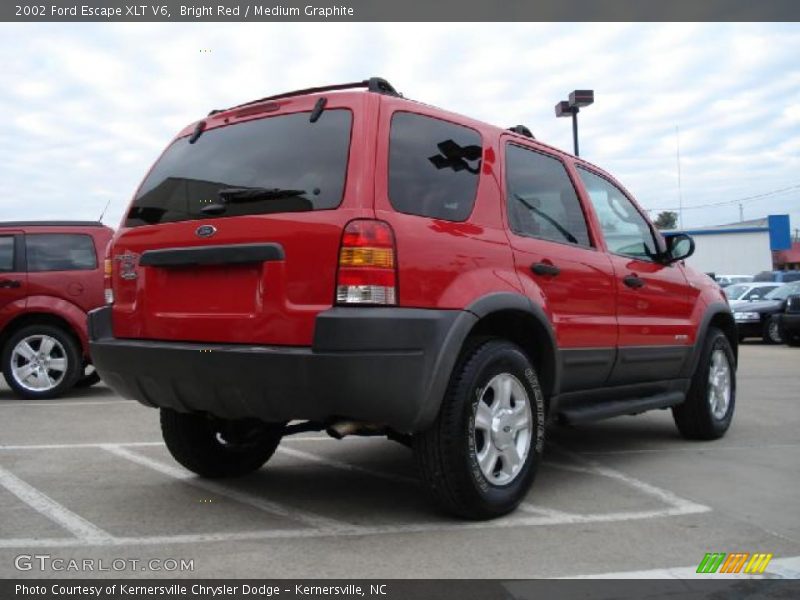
41	361
213	447
480	456
772	331
707	411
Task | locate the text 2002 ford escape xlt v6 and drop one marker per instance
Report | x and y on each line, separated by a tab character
357	262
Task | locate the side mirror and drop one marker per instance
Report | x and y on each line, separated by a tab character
679	247
793	304
754	297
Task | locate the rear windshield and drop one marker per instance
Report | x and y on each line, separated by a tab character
277	164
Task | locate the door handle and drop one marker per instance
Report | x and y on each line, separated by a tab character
9	283
543	268
632	281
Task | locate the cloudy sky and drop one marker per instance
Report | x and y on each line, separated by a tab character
88	107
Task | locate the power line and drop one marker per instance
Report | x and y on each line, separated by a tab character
736	201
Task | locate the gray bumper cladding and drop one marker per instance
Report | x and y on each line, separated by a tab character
381	365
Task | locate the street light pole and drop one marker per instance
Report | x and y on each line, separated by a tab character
575	130
577	99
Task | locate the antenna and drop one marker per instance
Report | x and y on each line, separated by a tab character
102	214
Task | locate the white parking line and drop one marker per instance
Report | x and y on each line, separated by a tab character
84	530
45	404
682	505
692	449
319	526
308	518
76	446
676	506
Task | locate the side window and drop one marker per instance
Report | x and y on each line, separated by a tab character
59	252
541	199
625	230
434	167
7	253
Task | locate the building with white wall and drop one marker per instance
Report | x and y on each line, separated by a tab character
743	248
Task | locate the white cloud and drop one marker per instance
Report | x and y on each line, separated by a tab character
89	106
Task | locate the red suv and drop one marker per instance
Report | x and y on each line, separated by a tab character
50	277
358	262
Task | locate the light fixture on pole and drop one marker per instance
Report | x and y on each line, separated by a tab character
566	108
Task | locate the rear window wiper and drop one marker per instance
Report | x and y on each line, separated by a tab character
232	195
244	194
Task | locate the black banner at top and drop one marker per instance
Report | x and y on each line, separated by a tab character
399	10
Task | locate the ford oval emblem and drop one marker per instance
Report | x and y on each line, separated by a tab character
205	231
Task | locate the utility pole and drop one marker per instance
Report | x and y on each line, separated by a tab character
741	212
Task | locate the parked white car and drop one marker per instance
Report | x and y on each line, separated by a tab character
742	293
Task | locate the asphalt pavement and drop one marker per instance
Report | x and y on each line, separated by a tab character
87	478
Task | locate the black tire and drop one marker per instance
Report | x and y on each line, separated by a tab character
66	349
772	331
447	453
790	338
87	380
215	448
695	418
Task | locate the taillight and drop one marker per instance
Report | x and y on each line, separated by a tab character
108	271
367	264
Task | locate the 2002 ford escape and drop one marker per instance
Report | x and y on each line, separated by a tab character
353	261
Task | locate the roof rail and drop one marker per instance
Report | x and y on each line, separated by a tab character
377	85
522	130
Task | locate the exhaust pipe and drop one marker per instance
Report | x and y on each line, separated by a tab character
340	429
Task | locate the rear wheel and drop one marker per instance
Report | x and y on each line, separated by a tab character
772	331
708	410
480	456
213	447
41	361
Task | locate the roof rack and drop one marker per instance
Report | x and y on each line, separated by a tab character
51	224
377	85
522	130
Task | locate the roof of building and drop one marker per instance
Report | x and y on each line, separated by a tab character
792	255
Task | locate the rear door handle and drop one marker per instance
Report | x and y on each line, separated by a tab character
542	268
9	283
632	281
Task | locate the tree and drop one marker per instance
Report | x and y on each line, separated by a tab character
666	220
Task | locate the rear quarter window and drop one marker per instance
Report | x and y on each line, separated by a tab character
434	167
59	252
6	253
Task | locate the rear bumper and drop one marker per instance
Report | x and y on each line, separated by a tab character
382	365
748	329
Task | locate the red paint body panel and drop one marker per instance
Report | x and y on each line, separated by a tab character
271	303
68	295
441	264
